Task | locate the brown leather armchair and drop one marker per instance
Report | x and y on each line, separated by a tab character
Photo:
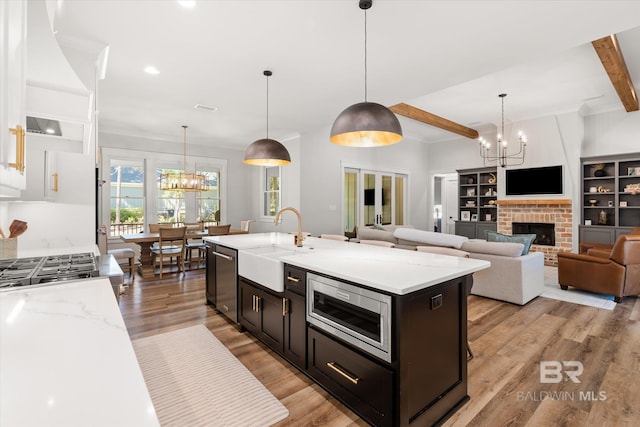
617	275
585	247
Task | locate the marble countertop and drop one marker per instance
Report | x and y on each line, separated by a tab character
66	359
396	271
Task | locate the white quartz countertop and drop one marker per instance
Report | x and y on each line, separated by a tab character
66	359
396	271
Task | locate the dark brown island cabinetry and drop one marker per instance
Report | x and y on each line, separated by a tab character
420	382
277	319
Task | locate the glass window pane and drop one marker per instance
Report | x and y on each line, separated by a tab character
350	201
127	197
399	200
271	194
171	206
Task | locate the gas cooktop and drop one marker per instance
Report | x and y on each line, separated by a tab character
16	273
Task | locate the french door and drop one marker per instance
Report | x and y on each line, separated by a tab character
373	197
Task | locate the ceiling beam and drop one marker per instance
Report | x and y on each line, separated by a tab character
612	60
433	120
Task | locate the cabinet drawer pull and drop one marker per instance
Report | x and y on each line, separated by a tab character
18	131
258	301
342	372
253	303
55	183
293	279
285	306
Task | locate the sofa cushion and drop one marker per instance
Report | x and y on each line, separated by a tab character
508	249
525	239
430	237
366	233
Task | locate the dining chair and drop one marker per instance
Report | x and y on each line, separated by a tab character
334	237
218	230
195	244
171	244
127	255
245	225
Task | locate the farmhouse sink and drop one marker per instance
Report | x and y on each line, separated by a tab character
263	265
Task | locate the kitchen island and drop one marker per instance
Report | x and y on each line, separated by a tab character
383	330
66	359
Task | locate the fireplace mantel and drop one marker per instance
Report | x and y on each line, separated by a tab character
534	202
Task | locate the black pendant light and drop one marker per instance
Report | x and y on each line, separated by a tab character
266	151
366	124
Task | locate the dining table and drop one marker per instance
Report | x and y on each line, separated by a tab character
146	241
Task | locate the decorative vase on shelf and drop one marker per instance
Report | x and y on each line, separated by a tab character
602	217
599	170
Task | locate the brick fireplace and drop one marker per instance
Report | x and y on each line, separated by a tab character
549	211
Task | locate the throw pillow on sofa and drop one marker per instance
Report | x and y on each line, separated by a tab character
525	239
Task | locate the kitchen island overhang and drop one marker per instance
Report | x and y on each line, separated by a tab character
423	380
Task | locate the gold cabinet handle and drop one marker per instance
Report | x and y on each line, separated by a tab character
293	279
285	306
341	371
253	306
18	131
258	301
55	182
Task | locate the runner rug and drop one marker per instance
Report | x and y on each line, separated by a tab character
194	380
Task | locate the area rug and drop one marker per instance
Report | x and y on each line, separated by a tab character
194	380
552	290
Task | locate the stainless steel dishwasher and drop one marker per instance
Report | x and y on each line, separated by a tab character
226	281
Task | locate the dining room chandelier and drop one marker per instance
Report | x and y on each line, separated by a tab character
366	124
502	155
183	180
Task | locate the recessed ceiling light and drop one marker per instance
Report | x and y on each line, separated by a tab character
187	3
205	107
150	69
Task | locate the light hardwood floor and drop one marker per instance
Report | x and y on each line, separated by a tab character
508	342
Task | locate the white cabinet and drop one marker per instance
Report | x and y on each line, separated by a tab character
53	161
13	55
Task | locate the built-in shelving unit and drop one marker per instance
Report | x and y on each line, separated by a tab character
610	197
477	208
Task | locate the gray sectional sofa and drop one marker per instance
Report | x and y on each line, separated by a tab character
512	277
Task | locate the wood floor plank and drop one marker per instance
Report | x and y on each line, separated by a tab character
508	341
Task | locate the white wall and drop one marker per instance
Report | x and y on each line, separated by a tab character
616	132
321	180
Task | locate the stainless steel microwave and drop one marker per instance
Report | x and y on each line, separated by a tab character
359	316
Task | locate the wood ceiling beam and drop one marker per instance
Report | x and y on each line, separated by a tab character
613	62
414	113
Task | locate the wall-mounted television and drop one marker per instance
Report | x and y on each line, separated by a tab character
545	180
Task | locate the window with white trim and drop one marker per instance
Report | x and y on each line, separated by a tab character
271	200
208	202
126	197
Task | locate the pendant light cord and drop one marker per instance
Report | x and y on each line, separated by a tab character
267	105
365	55
185	148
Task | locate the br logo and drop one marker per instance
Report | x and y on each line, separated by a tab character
553	371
